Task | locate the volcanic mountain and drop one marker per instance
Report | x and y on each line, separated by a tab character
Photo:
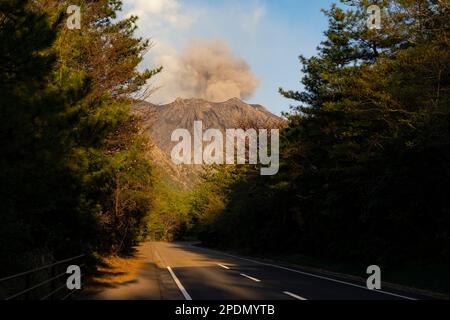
161	120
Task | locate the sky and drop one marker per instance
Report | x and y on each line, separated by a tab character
268	35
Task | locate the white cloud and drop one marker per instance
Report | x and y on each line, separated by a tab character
155	6
173	24
258	14
159	12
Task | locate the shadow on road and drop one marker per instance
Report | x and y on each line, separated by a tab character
128	277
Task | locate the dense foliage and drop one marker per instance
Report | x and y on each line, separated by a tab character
365	159
365	172
169	214
74	173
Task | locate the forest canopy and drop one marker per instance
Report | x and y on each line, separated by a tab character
75	177
365	168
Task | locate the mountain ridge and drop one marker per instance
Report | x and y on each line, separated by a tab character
159	121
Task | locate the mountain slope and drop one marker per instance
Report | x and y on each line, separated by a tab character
160	121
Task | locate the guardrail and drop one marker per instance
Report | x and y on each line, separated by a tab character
42	283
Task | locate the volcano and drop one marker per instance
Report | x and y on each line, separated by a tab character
159	121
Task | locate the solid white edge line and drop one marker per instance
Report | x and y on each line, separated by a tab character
325	278
293	295
225	267
251	278
312	275
178	283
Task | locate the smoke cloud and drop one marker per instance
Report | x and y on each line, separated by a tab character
205	69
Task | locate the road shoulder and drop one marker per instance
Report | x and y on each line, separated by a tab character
125	278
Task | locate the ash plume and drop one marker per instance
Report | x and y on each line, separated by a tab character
207	70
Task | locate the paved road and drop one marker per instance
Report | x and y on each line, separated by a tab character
202	274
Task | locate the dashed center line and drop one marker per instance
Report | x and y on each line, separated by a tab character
308	274
225	267
293	295
251	278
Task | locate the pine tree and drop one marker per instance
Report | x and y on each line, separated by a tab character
31	173
366	154
359	151
74	168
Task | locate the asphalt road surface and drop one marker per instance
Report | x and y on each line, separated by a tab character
193	273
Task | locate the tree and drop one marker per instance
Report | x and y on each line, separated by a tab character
105	150
365	156
74	168
31	173
359	149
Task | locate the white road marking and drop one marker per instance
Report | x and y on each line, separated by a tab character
225	267
251	278
309	274
293	295
180	286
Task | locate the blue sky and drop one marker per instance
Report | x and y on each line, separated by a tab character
268	34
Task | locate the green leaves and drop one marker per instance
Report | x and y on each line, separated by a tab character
75	176
366	154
